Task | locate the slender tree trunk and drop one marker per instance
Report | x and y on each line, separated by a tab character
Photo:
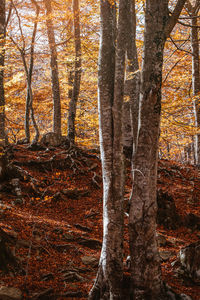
3	158
54	70
111	85
29	72
2	54
132	70
195	76
77	74
145	262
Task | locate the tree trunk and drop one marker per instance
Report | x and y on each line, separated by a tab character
77	74
3	158
2	54
193	11
132	71
54	70
145	262
111	84
29	72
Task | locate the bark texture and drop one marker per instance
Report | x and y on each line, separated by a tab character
108	283
2	53
193	12
77	74
132	69
54	70
145	262
29	72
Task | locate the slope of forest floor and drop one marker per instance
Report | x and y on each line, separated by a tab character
53	215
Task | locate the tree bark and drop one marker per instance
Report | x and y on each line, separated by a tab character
145	262
2	54
77	74
132	70
111	86
29	72
54	70
193	12
3	159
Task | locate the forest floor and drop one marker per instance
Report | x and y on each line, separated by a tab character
55	221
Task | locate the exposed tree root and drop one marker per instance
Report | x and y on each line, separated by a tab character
101	290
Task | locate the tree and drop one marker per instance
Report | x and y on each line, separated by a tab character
2	52
2	96
145	262
54	69
132	71
28	72
76	79
193	13
111	85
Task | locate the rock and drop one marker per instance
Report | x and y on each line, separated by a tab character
54	140
190	261
75	193
65	247
83	228
15	182
51	139
90	243
10	293
167	214
90	260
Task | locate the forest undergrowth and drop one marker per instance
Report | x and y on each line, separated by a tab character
52	217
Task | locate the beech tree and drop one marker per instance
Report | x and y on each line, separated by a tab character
110	100
2	51
54	69
146	282
193	10
132	70
145	262
76	77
